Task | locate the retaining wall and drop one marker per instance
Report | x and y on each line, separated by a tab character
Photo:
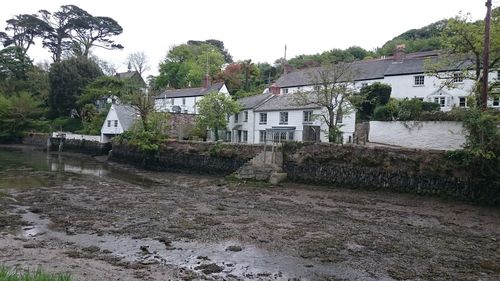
443	135
194	157
80	146
403	170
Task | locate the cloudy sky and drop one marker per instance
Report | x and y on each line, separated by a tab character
253	29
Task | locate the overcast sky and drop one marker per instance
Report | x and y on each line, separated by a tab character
252	29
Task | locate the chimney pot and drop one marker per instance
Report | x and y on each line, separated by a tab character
399	53
207	82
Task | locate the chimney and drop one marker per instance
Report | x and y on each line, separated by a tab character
274	89
207	82
399	52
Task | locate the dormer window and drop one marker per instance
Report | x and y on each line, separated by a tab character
458	77
285	91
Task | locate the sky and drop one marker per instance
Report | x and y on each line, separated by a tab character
251	29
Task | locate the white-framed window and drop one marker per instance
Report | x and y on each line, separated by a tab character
262	136
116	123
308	116
340	116
172	101
285	91
458	77
183	101
245	116
245	136
462	101
498	74
364	84
291	135
263	118
283	118
109	123
440	100
236	115
496	101
419	80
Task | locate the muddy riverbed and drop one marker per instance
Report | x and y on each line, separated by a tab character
104	221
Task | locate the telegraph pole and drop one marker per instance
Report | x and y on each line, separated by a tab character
486	55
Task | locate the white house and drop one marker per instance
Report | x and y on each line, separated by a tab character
277	117
185	100
406	74
119	119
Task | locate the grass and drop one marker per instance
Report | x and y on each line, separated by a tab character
7	274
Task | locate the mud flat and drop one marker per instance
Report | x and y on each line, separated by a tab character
104	221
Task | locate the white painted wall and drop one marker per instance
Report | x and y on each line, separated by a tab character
442	135
71	136
187	104
106	130
295	119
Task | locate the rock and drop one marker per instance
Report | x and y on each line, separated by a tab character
70	231
205	258
165	241
234	248
276	178
91	249
144	249
209	268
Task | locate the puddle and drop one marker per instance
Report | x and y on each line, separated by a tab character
250	262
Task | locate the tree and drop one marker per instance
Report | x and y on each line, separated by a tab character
376	94
186	65
332	90
105	86
213	111
139	62
463	39
216	43
58	39
143	104
89	31
24	29
17	114
68	80
241	76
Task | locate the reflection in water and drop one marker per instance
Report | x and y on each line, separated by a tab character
60	163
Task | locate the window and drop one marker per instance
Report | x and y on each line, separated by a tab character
172	101
236	118
496	101
291	135
283	118
116	123
228	117
462	101
263	119
245	136
419	80
441	101
458	77
183	101
498	74
109	123
364	84
285	91
340	116
262	136
245	116
308	116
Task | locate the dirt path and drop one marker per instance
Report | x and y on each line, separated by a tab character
136	225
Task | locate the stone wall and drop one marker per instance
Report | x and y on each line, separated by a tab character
181	125
403	170
444	135
80	146
184	156
37	139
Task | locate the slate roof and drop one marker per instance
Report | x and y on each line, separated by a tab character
126	115
283	102
413	63
126	75
253	101
190	92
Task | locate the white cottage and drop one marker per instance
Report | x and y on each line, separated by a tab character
278	118
185	100
406	74
119	119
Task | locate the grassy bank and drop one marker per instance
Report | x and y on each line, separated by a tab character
7	274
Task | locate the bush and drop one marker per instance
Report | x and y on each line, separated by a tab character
147	139
430	106
383	113
67	124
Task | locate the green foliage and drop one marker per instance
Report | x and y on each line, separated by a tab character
373	95
17	114
92	120
335	134
242	76
217	149
408	110
331	56
150	137
213	111
68	80
185	65
481	154
106	86
7	274
67	124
